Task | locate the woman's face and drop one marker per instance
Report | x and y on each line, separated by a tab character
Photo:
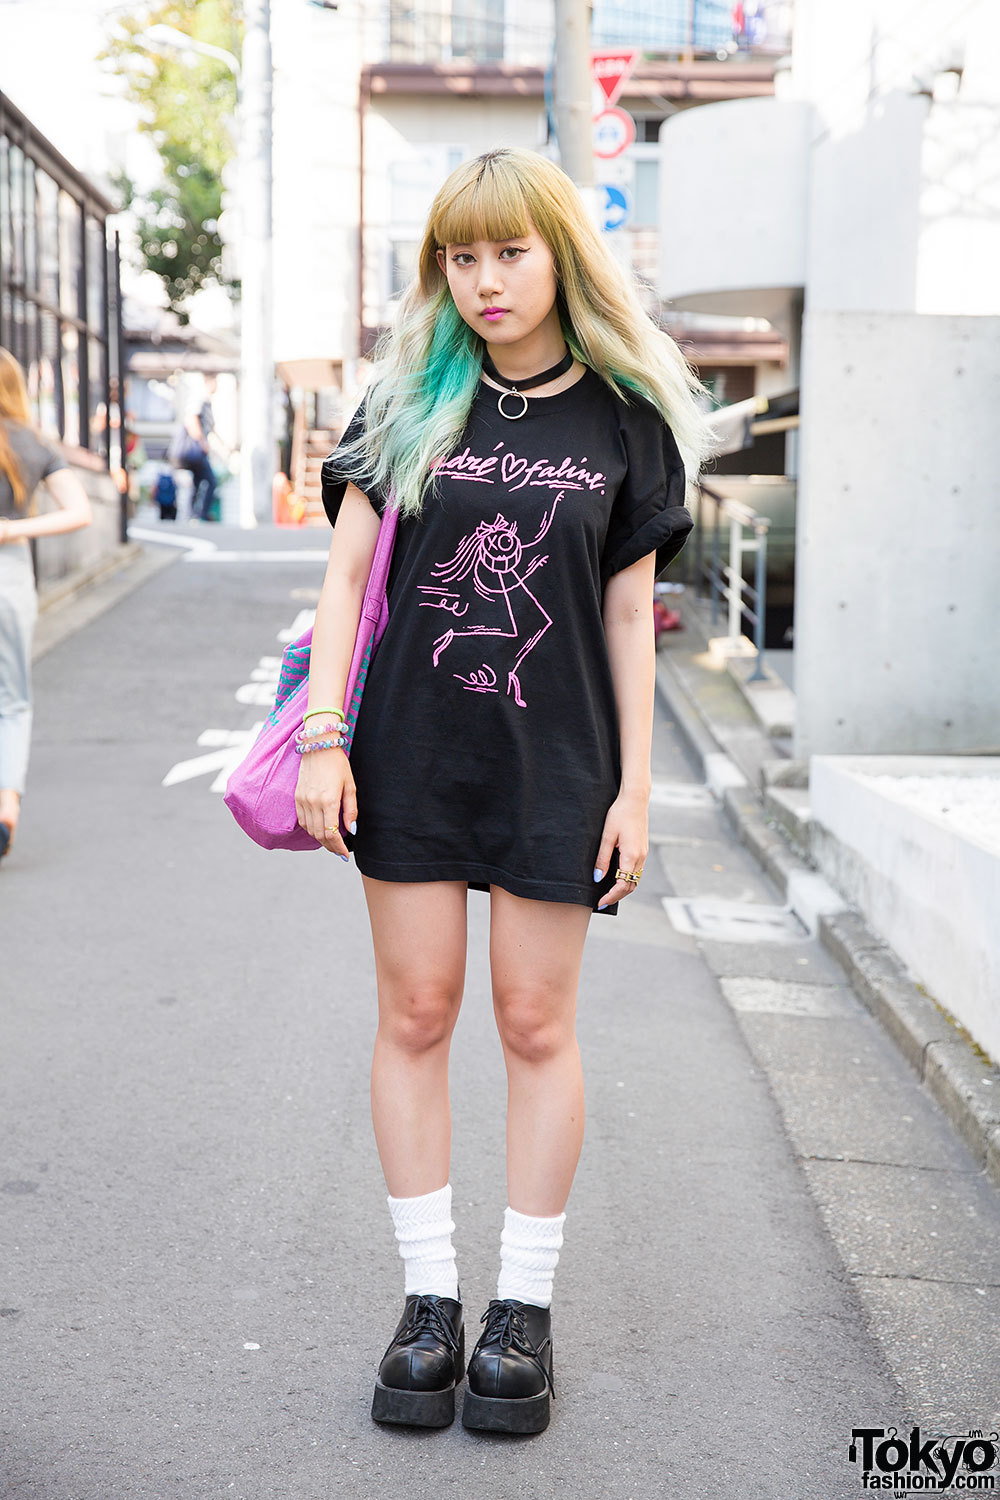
504	289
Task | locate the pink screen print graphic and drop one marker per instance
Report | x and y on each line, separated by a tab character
495	564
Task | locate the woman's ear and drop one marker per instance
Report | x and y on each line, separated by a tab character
442	261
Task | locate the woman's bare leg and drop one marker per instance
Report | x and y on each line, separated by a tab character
419	938
536	952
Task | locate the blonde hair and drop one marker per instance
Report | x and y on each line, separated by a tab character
14	407
428	364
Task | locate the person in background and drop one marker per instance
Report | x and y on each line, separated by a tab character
199	425
165	493
25	462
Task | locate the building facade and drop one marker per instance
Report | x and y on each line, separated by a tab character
60	317
865	219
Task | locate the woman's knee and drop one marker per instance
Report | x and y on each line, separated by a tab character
535	1027
416	1017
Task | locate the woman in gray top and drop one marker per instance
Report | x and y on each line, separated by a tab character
25	461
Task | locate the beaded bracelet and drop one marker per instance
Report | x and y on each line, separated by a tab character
305	733
305	736
303	747
314	711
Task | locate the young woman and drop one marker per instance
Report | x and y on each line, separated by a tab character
25	460
504	737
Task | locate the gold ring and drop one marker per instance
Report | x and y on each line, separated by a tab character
632	875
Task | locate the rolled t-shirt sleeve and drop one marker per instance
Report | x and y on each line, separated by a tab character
648	514
53	462
333	482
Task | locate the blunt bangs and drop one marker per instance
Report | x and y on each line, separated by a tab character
491	205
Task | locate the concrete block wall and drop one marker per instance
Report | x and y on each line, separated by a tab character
77	553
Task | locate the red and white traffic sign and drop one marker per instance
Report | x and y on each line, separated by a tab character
614	132
611	69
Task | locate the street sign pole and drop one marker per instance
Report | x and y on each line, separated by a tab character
572	89
613	131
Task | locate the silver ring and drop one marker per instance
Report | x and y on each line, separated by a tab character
512	416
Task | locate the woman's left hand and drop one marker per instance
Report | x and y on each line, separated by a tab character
626	828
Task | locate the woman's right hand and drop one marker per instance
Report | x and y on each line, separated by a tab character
325	784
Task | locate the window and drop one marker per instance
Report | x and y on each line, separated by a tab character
428	31
55	284
477	29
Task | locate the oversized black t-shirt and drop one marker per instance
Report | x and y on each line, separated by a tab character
486	747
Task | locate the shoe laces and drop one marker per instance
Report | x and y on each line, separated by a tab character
505	1324
425	1315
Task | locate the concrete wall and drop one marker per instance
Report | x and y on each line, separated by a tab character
733	205
898	534
926	881
59	558
885	140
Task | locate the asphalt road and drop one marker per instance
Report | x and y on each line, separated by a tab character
197	1269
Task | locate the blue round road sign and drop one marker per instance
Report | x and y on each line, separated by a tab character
617	204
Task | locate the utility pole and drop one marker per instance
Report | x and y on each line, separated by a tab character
573	91
256	337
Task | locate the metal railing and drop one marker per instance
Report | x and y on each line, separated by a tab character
726	580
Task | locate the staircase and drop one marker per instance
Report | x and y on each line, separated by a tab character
310	445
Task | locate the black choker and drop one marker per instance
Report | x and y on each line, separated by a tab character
515	387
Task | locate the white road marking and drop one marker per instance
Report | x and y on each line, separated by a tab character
227	747
194	545
299	626
233	745
200	549
311	555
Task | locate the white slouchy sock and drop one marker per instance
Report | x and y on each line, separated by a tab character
529	1250
424	1228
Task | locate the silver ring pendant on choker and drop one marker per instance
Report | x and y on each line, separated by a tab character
512	416
513	387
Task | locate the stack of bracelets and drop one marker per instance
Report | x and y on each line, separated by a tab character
309	739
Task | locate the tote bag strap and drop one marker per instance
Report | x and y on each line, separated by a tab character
378	578
374	615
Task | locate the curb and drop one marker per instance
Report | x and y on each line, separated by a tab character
74	601
944	1057
64	589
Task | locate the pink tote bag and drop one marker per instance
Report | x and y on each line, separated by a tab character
260	792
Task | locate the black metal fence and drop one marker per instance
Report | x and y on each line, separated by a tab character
59	289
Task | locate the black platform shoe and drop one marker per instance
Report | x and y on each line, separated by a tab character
510	1369
423	1364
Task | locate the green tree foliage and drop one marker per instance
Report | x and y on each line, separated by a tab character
188	103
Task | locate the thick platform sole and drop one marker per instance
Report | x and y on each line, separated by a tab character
506	1414
420	1408
413	1408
